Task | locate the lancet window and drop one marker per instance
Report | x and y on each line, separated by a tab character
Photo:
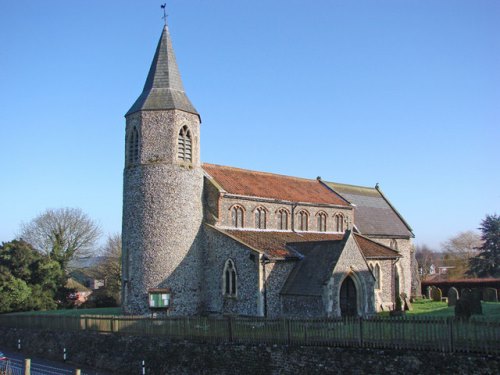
229	279
184	144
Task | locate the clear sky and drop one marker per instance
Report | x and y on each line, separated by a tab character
404	93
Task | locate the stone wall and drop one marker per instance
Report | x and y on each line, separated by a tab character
120	354
218	249
162	215
249	205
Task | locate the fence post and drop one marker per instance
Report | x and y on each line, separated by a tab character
450	335
288	332
230	328
361	341
27	366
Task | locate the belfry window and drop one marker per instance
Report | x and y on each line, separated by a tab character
339	223
237	216
260	218
303	218
321	222
229	279
133	146
184	144
282	215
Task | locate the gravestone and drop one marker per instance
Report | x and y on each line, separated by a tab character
490	295
475	301
466	292
452	296
436	294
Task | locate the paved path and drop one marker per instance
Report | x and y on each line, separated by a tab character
42	366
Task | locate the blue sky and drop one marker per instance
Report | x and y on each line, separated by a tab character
403	93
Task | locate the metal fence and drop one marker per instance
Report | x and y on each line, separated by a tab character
446	335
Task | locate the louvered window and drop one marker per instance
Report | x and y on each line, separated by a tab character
184	145
237	216
282	219
303	217
322	222
260	218
133	146
229	279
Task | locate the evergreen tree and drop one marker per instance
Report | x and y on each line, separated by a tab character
28	279
487	263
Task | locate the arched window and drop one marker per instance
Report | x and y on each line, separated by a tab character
394	244
260	218
184	145
376	273
133	146
339	223
237	216
282	215
303	218
321	217
229	279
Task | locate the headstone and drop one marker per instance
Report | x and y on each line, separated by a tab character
475	302
407	304
436	294
429	292
490	295
466	292
452	296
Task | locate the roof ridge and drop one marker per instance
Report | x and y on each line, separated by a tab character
260	172
351	185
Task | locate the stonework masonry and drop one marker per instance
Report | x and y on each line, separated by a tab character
157	254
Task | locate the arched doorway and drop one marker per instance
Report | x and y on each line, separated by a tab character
348	298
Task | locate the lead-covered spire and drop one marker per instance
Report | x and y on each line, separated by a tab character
163	88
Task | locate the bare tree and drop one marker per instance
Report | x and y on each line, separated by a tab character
63	234
426	257
458	250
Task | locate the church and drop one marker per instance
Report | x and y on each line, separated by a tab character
206	239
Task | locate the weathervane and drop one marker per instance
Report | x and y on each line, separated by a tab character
163	6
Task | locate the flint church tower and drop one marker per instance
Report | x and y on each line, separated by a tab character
162	194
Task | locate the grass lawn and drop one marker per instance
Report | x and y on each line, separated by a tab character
425	307
76	312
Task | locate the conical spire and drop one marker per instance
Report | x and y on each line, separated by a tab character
163	88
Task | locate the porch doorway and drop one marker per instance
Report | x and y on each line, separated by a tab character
348	298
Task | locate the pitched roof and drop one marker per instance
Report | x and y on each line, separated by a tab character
372	249
279	245
373	213
274	243
163	88
310	274
273	186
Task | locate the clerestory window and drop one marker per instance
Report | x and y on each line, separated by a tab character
282	216
303	218
260	218
229	280
237	216
184	144
339	223
321	222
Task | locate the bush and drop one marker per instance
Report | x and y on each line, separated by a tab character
100	298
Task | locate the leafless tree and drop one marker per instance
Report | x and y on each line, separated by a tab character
63	234
458	250
426	257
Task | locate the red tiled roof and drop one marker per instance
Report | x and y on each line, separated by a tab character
273	244
267	185
372	249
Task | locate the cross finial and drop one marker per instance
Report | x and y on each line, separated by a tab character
164	6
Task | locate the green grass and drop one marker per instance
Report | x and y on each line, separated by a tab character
425	307
76	312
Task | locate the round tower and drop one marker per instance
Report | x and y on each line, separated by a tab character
162	194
